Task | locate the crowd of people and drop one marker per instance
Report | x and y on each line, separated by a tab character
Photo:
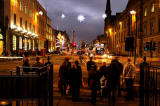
36	67
105	82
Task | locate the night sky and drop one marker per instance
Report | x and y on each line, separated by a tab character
93	24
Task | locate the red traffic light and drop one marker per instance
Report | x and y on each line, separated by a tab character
74	44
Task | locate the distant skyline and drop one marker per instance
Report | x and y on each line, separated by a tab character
92	10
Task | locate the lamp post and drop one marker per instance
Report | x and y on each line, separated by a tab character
134	31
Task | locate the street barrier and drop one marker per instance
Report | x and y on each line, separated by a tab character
34	86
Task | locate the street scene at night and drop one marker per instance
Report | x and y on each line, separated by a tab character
79	52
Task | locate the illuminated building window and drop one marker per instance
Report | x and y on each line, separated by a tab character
14	42
20	5
1	36
29	41
20	42
25	9
145	12
30	13
25	47
14	19
30	26
152	8
33	45
34	28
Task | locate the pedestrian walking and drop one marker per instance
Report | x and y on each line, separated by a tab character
120	71
102	79
68	75
113	81
80	72
129	76
63	79
76	76
92	79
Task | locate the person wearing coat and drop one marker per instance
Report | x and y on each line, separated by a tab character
63	79
76	76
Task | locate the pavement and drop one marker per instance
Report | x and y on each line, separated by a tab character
57	60
58	100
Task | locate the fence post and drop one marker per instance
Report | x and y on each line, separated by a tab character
142	84
18	71
51	85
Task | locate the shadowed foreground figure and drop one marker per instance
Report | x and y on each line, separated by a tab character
63	79
92	79
76	75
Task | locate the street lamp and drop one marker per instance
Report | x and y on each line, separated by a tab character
63	16
104	16
134	29
81	18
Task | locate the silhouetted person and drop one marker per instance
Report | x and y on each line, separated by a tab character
68	70
120	71
144	78
79	70
92	79
48	62
76	76
38	66
63	78
102	73
26	65
129	76
113	81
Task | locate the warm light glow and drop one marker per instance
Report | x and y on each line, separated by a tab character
13	26
40	13
4	103
110	30
133	12
29	33
19	29
104	56
10	58
120	23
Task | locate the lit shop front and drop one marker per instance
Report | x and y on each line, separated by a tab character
23	41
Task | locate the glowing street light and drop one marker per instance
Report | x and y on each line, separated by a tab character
104	16
63	16
40	13
81	18
132	12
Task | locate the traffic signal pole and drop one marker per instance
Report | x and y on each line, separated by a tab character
72	46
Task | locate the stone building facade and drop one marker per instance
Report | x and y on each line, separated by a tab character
25	24
141	21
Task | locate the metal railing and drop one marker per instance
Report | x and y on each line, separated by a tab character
149	86
34	86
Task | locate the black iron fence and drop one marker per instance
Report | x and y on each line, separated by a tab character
33	87
149	85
